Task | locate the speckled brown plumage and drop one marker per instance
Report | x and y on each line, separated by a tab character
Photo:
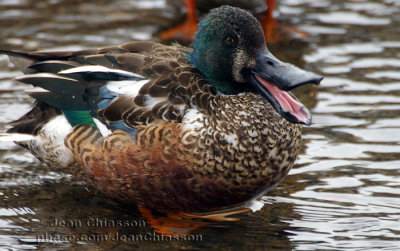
174	82
195	168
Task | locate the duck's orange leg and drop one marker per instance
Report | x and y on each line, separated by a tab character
184	223
171	224
184	32
274	31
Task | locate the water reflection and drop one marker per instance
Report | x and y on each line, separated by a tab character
343	193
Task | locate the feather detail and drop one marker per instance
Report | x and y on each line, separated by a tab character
52	66
53	82
15	137
101	72
42	131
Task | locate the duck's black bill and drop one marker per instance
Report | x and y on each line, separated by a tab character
272	78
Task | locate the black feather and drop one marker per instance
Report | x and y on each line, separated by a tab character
52	66
61	101
54	83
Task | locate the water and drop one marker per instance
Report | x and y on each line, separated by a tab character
343	192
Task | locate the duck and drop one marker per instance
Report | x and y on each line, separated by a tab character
274	31
168	127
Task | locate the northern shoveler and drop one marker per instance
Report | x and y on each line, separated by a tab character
169	127
273	31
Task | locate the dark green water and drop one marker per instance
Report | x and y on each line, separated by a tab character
343	193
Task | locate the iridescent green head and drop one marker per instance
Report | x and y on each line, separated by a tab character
225	44
229	50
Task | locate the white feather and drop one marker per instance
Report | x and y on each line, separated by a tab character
100	68
255	205
36	90
49	145
193	120
126	87
151	101
15	137
230	138
43	75
102	128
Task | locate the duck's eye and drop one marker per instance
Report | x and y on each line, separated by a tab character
229	40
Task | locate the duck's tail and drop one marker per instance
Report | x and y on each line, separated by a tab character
67	89
65	84
34	120
30	125
42	131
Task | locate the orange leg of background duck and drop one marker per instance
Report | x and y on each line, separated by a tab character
184	32
276	32
273	31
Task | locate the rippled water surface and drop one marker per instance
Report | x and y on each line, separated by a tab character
344	192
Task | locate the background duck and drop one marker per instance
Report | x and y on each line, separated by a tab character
168	127
264	9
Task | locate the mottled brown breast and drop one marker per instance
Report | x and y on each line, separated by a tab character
244	141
